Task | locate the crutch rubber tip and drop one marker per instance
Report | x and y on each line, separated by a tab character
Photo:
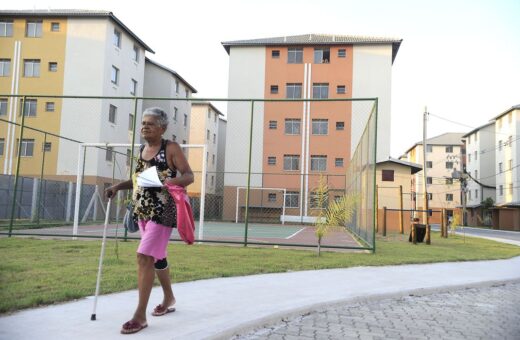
93	317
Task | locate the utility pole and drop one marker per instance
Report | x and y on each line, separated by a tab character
425	189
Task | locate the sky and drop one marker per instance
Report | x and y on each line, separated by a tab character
459	59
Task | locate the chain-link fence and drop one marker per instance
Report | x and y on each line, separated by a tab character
256	173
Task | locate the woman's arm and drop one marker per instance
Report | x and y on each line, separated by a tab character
176	157
111	191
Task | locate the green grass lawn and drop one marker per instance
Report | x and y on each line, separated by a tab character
37	272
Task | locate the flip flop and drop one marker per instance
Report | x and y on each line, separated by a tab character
159	310
132	326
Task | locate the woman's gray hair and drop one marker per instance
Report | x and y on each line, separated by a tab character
159	114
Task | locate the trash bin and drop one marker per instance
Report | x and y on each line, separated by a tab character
420	232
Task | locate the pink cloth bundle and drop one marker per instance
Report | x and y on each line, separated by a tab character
185	223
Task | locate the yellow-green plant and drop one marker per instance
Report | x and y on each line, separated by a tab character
334	214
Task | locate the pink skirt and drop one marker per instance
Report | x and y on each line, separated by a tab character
154	239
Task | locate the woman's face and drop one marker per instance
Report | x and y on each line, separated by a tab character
151	129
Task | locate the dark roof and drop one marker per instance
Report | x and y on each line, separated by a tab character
516	107
414	167
317	39
208	104
175	74
477	129
76	13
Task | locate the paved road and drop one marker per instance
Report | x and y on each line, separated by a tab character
499	235
475	313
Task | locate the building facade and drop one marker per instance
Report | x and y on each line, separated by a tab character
443	162
68	53
293	143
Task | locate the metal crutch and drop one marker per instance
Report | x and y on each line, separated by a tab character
93	316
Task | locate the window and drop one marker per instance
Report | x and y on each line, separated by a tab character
5	67
499	145
314	201
109	154
429	164
295	55
321	55
275	53
320	90
271	160
175	110
501	190
271	197
291	162
187	93
318	163
429	180
320	126
49	106
133	86
469	158
215	118
135	54
292	199
342	53
429	148
510	164
207	134
31	68
117	38
2	143
293	90
3	106
184	142
29	108
387	175
128	156
114	76
33	29
27	147
339	162
130	122
449	181
292	126
340	89
510	141
340	125
476	174
274	89
212	180
53	66
273	124
55	26
47	146
430	197
185	121
112	113
510	188
6	28
214	139
449	197
476	155
476	194
500	167
213	159
209	114
207	160
174	138
449	165
176	86
449	149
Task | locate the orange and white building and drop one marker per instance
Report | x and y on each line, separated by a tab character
293	143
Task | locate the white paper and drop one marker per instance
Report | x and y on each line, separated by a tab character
149	178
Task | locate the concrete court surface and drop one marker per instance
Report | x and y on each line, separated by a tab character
219	308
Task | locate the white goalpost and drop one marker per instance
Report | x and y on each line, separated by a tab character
283	190
97	195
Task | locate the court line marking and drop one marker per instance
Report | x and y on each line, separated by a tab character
296	233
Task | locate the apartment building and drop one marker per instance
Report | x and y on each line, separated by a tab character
71	53
204	130
163	82
294	143
507	169
480	173
443	162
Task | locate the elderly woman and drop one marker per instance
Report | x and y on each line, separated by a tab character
155	212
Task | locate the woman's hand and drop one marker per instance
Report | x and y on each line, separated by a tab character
111	191
170	181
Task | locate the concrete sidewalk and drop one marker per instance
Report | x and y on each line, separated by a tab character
219	308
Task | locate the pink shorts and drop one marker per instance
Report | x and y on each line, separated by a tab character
154	239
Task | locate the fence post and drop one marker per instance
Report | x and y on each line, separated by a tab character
443	222
377	208
384	221
401	219
249	171
69	202
34	200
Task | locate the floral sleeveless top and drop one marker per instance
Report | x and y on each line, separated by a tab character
155	204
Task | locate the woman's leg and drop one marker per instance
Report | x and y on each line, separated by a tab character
145	277
164	278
